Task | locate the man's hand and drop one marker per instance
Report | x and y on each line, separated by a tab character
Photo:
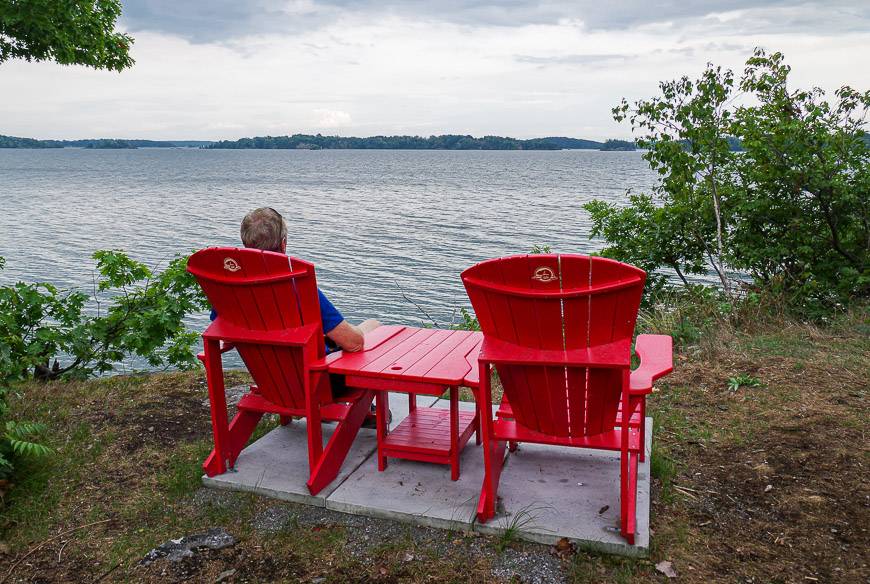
351	338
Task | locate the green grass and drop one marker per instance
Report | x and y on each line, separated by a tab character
521	519
588	566
780	345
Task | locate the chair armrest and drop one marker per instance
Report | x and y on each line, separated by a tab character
615	355
219	330
656	353
225	347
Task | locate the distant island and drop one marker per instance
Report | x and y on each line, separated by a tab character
442	142
98	143
321	142
618	146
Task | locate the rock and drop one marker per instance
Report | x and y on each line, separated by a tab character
666	568
224	575
175	550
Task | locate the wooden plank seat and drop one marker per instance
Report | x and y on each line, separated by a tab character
656	360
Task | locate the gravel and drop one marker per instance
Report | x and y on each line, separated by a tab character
527	563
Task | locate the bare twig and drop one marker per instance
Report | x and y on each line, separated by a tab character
49	540
420	308
60	551
107	572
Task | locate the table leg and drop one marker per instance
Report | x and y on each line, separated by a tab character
454	433
412	402
382	406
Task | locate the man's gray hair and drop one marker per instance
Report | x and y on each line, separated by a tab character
264	228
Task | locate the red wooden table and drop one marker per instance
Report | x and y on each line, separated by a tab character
416	361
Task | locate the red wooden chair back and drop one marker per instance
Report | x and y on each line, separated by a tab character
263	291
558	302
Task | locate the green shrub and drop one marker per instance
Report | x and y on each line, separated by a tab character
789	211
48	333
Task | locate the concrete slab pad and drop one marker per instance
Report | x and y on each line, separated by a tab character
276	465
547	492
414	492
550	492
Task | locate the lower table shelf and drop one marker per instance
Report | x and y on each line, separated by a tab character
425	436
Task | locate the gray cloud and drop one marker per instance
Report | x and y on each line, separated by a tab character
203	21
220	20
591	60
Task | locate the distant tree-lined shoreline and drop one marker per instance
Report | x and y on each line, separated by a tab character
321	142
98	143
441	142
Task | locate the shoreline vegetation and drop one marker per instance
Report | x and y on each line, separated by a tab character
97	143
753	451
321	142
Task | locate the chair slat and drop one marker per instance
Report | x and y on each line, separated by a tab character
576	377
575	274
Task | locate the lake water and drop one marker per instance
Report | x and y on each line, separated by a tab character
373	222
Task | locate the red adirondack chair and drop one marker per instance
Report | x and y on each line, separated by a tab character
558	330
269	312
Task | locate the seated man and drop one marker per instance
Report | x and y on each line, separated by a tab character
265	229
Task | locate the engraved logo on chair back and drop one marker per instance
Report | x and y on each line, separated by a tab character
262	291
558	302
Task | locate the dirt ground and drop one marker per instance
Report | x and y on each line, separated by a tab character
759	464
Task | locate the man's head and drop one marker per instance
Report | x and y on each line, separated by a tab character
264	228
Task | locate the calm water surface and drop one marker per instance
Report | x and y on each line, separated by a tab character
373	222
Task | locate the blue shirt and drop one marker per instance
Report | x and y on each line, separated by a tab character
330	317
329	314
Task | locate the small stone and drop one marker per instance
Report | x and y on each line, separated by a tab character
768	488
666	568
224	575
150	428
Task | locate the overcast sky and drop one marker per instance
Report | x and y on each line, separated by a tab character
211	69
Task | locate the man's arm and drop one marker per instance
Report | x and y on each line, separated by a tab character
351	337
